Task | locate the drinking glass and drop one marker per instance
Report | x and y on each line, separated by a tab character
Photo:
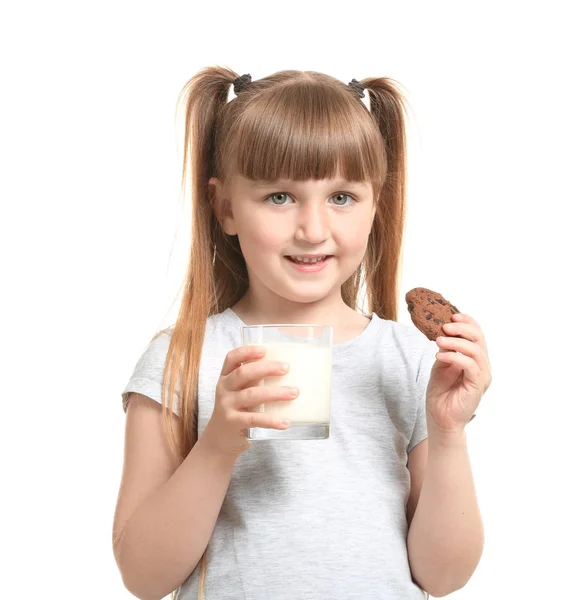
308	351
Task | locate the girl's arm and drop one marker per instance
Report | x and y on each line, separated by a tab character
445	539
166	513
167	509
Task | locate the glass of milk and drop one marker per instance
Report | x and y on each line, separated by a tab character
307	349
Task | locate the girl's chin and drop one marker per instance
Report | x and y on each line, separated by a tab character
307	293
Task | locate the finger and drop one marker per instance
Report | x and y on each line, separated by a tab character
469	366
467	331
464	330
467	348
237	356
254	396
250	373
464	318
254	419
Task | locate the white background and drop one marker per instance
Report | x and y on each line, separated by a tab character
93	232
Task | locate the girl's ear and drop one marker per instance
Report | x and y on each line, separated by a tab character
221	206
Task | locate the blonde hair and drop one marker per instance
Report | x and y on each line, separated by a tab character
296	125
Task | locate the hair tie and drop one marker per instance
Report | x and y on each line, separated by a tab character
357	86
241	82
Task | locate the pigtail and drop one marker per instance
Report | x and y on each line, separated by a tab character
201	100
383	257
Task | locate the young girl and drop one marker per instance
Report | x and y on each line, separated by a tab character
297	166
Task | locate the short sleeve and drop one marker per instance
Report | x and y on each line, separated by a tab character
423	373
148	375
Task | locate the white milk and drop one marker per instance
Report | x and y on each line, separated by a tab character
310	372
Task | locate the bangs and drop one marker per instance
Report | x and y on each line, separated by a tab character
307	131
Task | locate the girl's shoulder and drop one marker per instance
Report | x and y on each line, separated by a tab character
406	343
163	336
401	334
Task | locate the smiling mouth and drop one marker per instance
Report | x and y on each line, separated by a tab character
308	261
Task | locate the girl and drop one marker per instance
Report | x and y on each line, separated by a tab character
297	166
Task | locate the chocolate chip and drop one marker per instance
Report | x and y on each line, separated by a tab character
440	301
455	307
453	312
436	321
428	316
410	306
430	301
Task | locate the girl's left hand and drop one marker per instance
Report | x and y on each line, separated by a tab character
457	381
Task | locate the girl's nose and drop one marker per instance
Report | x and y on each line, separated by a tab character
312	225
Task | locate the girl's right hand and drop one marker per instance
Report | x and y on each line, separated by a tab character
237	392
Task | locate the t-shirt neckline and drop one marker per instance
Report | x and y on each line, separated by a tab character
362	338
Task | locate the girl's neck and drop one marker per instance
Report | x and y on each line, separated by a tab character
347	323
252	313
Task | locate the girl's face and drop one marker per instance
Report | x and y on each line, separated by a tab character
274	221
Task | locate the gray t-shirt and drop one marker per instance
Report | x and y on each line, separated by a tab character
317	519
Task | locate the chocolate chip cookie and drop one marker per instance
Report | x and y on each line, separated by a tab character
429	311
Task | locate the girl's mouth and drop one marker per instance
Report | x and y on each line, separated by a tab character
309	267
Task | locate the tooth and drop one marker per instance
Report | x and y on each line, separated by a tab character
309	260
305	260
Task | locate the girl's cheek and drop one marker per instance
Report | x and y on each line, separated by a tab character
351	239
268	236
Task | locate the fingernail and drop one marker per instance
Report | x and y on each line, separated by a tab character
284	367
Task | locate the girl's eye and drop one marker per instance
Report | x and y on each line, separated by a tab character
281	196
340	199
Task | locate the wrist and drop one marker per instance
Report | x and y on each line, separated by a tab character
443	439
213	454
